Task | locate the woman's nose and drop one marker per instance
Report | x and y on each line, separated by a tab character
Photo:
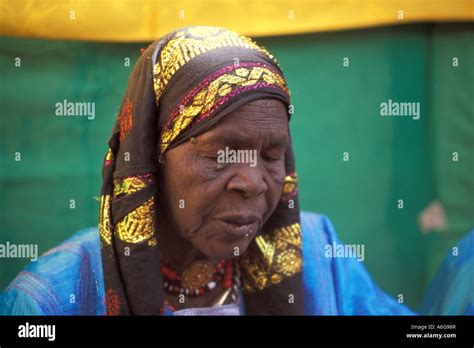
248	180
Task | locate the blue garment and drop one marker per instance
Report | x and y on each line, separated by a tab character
452	289
67	280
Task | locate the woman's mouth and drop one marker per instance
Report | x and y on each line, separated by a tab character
240	226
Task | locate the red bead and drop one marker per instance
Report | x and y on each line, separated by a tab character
172	275
227	283
201	291
175	290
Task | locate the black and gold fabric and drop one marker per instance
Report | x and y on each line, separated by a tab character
180	87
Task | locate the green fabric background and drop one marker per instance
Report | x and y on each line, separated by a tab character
336	110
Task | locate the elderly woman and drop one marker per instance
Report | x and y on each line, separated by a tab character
199	205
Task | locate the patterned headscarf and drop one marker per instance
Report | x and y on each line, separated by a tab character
180	87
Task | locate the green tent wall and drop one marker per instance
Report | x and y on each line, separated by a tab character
337	110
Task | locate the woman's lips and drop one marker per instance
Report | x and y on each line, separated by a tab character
239	226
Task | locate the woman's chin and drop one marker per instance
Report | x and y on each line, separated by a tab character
218	249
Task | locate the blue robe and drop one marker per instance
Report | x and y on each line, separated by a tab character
68	280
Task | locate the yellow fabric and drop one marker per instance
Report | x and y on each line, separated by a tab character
146	20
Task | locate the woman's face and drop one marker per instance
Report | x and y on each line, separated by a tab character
219	205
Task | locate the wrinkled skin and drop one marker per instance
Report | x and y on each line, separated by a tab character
213	192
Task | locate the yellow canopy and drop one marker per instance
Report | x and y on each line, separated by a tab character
147	20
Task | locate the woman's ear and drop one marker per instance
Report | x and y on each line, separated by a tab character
161	160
